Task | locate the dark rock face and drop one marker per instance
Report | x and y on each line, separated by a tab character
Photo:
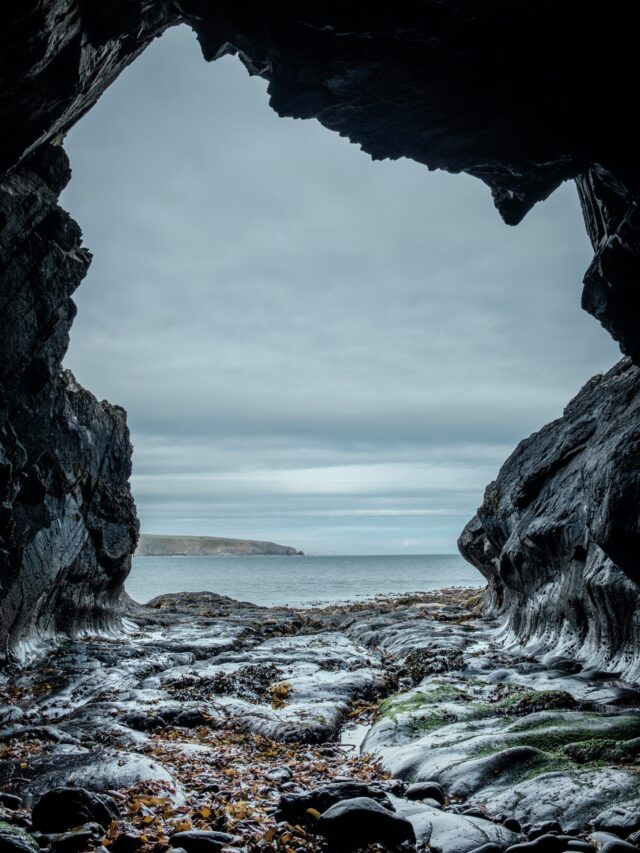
67	519
520	95
558	533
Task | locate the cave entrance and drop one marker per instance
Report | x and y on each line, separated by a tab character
313	348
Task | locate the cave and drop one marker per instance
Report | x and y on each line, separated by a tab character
458	87
521	96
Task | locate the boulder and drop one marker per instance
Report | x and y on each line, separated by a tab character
362	821
62	809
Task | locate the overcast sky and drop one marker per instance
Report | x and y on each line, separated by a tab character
312	347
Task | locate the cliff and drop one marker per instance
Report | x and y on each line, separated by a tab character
150	545
521	96
558	534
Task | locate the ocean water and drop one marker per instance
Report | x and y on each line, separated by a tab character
298	581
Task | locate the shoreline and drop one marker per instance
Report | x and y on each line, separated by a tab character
212	715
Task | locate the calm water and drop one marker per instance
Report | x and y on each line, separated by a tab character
298	580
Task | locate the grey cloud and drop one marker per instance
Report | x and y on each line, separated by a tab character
272	307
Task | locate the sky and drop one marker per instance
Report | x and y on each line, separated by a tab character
312	347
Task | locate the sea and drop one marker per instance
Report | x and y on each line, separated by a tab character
299	581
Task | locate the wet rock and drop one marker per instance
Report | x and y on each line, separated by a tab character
76	841
621	820
618	846
544	828
16	840
189	719
145	722
577	475
602	838
488	848
202	841
10	801
64	808
540	844
293	807
361	821
125	843
425	790
512	824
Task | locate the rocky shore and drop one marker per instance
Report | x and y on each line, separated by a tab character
219	725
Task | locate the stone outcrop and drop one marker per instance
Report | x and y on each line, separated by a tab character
520	95
67	519
558	534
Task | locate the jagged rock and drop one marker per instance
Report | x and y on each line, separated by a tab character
558	532
64	808
67	522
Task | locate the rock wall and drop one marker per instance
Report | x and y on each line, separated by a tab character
67	519
558	534
520	95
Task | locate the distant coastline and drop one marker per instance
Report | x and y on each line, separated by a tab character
152	545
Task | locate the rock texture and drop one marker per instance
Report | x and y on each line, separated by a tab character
67	519
520	95
558	534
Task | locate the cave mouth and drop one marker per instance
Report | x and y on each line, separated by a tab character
424	83
277	313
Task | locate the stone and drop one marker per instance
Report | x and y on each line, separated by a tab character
540	844
73	842
430	82
621	820
65	808
125	843
425	790
293	807
577	474
488	848
10	801
618	846
202	841
544	828
361	821
13	839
